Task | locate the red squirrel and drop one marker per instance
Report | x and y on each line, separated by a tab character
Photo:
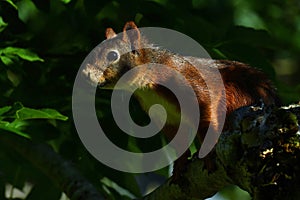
243	84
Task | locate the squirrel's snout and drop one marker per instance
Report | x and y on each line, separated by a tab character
93	75
101	84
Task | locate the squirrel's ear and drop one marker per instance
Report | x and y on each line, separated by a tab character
131	34
109	33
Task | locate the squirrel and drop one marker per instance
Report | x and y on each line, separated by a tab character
244	85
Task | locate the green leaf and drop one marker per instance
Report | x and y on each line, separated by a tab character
13	77
22	114
4	109
25	54
126	181
6	60
12	4
65	1
18	124
2	24
116	187
250	36
12	128
29	113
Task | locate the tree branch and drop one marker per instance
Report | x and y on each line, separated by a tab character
260	153
60	171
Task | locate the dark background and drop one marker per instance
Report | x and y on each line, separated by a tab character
43	43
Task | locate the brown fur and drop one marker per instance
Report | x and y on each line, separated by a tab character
244	85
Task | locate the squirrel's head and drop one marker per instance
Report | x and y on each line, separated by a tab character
114	56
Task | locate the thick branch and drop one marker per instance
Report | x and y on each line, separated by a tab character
260	153
197	182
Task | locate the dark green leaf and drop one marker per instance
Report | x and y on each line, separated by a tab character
6	60
25	54
249	36
14	128
66	1
46	113
130	185
12	4
123	180
2	24
4	109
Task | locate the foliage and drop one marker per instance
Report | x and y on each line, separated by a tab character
42	45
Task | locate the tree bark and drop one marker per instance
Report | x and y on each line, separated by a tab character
260	154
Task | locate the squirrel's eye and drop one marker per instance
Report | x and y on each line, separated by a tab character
112	56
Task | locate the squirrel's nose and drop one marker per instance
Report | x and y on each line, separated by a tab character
101	81
101	84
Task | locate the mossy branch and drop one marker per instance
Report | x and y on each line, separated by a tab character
260	153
